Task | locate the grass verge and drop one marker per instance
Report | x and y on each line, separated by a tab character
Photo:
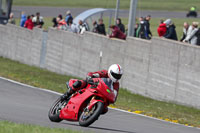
10	127
126	100
171	5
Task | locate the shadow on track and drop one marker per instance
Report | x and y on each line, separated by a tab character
110	129
100	128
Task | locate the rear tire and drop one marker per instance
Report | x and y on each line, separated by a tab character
54	111
98	108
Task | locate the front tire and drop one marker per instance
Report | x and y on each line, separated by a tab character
54	111
88	117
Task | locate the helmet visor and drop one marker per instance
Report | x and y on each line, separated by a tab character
115	75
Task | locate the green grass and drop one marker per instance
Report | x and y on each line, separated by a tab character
10	127
171	5
126	100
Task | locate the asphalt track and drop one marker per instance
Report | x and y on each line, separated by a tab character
55	11
25	104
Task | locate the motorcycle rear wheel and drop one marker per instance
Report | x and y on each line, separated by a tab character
54	111
97	110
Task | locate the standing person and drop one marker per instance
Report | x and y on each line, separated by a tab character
120	25
82	27
185	30
192	12
101	27
162	28
117	33
94	29
171	30
38	20
23	19
29	24
72	27
135	29
198	37
148	33
11	20
191	36
141	29
68	17
55	23
62	25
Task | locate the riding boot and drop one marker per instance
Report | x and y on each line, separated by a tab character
79	84
67	94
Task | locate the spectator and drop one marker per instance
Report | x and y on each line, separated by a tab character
95	27
120	25
171	30
72	27
101	27
141	29
135	29
192	12
185	30
162	28
68	17
32	16
198	37
23	19
147	27
55	23
11	20
38	20
191	36
62	25
82	27
29	24
117	33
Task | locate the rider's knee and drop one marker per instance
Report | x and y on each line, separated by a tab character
79	84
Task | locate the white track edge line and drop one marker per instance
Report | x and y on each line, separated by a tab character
22	84
54	92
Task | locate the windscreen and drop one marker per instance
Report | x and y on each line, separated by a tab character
108	82
3	8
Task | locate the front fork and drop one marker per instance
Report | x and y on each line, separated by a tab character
93	101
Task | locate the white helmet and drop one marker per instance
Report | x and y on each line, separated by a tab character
115	72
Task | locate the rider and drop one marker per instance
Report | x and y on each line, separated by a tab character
113	75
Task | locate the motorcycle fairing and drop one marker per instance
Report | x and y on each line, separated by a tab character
104	87
71	110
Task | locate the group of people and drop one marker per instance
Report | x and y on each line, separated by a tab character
166	28
29	21
32	21
118	30
67	24
191	33
142	29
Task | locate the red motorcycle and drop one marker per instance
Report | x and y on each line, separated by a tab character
85	105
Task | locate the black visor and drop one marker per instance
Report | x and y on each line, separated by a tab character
115	75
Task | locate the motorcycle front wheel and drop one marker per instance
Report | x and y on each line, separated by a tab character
88	117
54	111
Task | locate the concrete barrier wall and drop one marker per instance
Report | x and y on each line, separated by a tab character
78	54
21	44
161	69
